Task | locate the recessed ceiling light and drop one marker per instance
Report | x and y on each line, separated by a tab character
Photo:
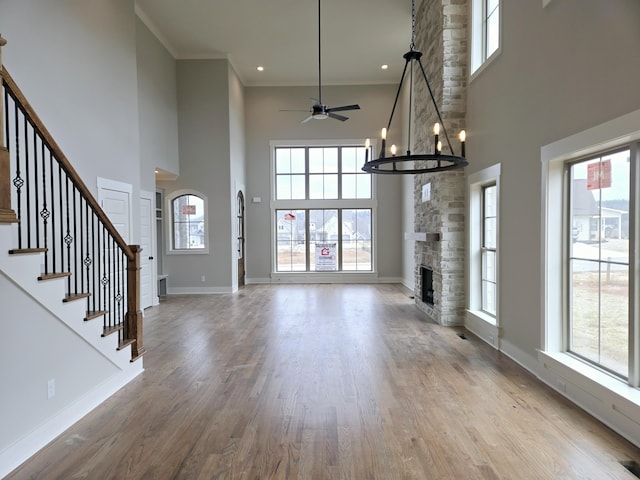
260	69
384	67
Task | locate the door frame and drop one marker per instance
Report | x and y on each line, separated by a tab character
151	196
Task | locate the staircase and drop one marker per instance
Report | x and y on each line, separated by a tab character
64	270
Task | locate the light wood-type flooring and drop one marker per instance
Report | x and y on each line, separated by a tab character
326	382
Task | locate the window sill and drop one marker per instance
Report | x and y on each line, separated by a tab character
594	390
204	251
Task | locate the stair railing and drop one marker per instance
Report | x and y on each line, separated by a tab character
58	216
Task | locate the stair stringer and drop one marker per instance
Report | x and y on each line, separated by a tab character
23	270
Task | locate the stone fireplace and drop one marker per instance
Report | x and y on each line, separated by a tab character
439	198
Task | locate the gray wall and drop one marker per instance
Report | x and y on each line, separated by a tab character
76	63
204	138
157	106
562	69
265	122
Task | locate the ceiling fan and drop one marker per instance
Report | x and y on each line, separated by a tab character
319	111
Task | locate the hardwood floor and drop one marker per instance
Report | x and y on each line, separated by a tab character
326	382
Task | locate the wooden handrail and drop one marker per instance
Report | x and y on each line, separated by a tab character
38	125
7	215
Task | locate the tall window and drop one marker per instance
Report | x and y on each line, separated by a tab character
598	260
188	232
489	241
323	209
484	194
485	40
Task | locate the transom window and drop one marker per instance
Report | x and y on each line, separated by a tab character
321	173
323	209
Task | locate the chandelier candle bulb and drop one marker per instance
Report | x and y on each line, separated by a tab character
463	138
436	134
383	134
393	150
439	147
367	146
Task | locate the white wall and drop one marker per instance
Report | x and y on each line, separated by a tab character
76	63
562	69
158	108
265	122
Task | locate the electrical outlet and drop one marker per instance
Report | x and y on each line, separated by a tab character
51	388
203	278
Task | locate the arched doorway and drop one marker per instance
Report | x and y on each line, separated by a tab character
240	229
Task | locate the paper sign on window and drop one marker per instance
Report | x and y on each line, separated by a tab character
188	209
326	258
599	175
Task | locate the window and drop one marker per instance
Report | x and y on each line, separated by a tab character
489	240
485	37
321	173
323	209
597	235
188	231
484	194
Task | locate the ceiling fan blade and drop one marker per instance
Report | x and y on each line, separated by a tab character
337	117
344	108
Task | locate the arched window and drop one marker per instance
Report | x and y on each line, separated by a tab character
188	228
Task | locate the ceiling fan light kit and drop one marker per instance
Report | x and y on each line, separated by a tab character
415	163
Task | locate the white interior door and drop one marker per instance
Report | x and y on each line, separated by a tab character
147	257
115	200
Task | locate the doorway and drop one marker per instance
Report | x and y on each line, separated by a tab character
241	239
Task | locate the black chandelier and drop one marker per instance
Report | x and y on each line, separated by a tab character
429	162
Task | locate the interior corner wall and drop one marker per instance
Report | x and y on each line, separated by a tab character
205	152
562	69
76	64
237	161
158	107
265	122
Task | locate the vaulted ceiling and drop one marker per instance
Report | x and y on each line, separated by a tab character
357	37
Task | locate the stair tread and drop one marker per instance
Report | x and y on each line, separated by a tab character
95	314
125	343
26	251
75	296
110	330
51	276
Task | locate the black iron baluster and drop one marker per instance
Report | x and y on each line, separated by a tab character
87	260
18	181
28	182
68	239
35	183
53	213
94	292
75	244
44	213
61	218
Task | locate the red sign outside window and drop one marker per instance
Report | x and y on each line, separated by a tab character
599	175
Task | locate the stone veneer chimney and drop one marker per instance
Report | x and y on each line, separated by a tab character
441	35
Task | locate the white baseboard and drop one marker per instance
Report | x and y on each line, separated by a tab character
16	454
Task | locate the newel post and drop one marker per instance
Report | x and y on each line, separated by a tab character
134	314
7	215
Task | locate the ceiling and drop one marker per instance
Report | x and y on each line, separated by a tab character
358	37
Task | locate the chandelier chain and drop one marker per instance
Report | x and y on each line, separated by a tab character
413	25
